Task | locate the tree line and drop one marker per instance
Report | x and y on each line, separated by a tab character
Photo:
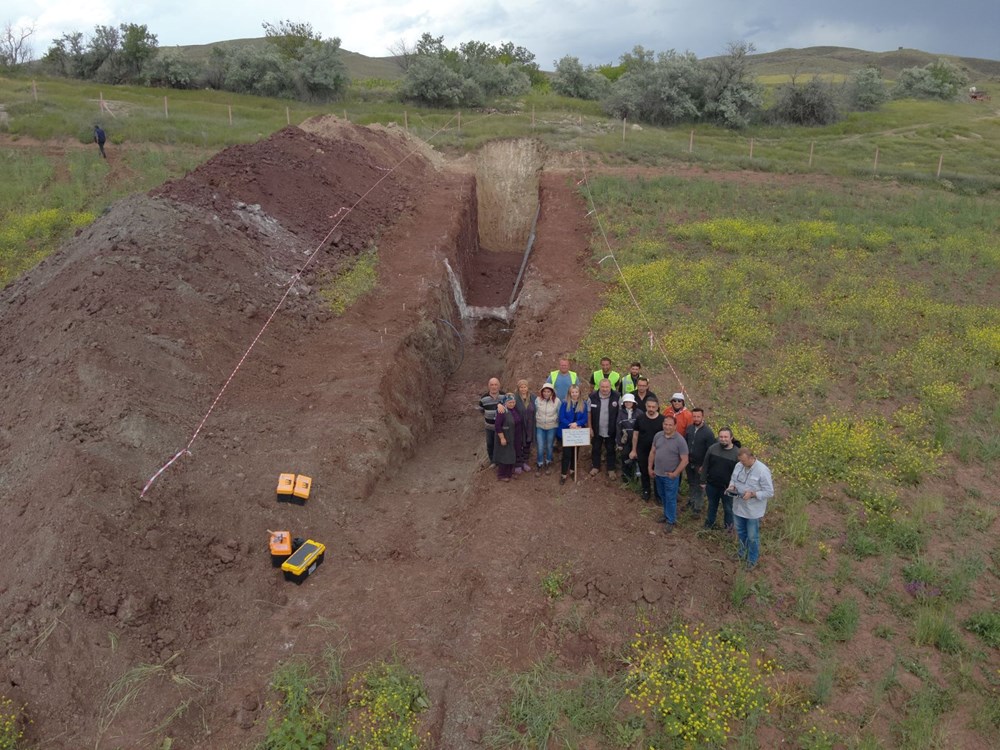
657	88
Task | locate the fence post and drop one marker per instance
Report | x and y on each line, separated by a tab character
751	147
34	90
230	115
875	170
532	116
100	102
691	143
166	111
406	122
812	145
459	121
940	164
288	117
623	129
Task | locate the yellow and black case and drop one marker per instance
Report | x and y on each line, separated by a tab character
304	561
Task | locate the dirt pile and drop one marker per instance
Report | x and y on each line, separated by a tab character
110	353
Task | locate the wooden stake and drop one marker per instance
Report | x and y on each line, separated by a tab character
691	143
345	115
532	116
230	115
875	170
623	129
751	148
166	110
940	164
406	122
812	145
100	101
34	90
288	117
459	121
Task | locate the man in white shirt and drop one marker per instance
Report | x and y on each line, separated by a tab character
751	487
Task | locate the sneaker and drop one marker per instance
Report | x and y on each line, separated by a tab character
594	472
645	494
526	467
612	475
668	528
562	479
662	519
518	471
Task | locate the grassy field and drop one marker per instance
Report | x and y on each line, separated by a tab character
844	319
850	331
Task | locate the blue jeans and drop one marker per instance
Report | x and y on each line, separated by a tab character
714	496
544	439
748	532
666	488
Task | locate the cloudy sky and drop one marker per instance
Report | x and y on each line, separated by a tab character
595	31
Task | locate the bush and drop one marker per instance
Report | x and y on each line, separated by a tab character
572	79
814	103
695	684
937	80
867	90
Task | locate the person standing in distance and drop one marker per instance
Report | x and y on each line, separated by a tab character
100	138
679	412
603	420
562	378
646	427
606	373
630	381
752	486
627	414
699	438
716	471
488	404
667	459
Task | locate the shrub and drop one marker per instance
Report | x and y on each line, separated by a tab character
814	103
384	709
11	732
694	684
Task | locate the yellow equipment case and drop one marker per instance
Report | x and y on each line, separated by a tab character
304	561
301	491
286	486
280	546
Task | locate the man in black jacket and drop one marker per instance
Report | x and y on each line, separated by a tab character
100	138
716	473
603	420
699	438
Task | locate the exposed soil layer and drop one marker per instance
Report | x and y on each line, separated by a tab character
112	352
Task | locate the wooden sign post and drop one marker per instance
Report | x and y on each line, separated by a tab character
574	438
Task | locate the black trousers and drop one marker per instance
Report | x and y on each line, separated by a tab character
643	459
597	443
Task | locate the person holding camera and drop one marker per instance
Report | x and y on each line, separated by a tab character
752	486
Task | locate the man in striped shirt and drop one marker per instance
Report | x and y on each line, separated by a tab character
488	404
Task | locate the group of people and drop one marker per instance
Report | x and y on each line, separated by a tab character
629	429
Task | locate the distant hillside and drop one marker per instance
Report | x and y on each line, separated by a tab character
832	61
844	60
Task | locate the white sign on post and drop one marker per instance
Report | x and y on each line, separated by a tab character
575	438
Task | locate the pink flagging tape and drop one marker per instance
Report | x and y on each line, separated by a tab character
585	181
338	218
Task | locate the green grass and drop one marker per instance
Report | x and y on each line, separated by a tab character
351	283
548	705
986	625
842	620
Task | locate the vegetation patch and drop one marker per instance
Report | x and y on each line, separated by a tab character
352	283
696	685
